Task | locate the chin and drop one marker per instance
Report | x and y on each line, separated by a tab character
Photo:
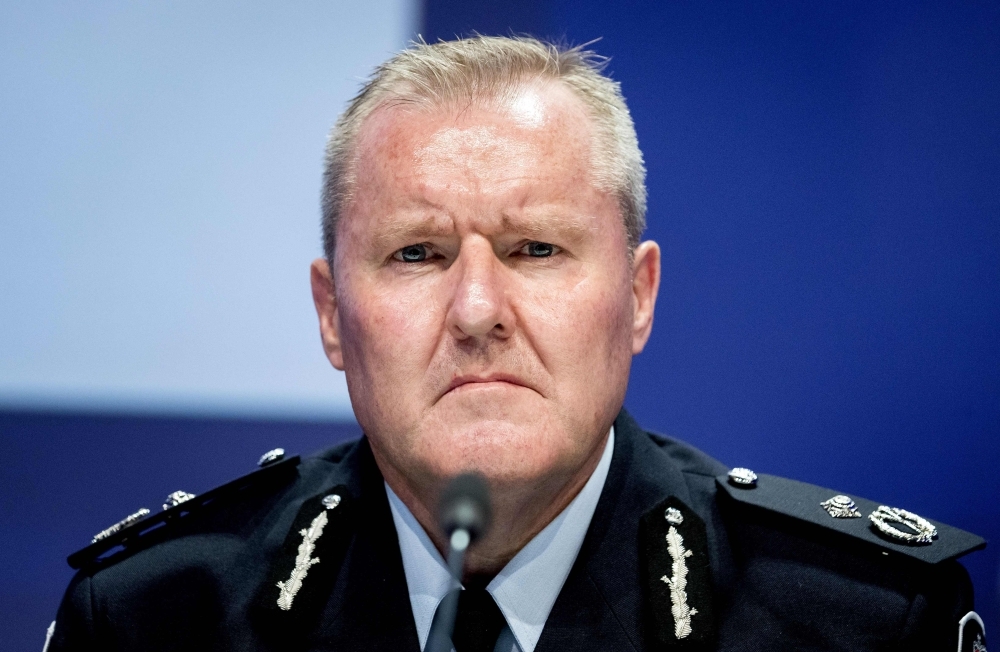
501	450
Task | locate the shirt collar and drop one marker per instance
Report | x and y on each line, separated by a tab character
528	585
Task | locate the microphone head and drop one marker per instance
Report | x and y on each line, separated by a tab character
465	504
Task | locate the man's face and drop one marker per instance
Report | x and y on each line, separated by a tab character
483	300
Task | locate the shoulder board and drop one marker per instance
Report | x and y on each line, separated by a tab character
135	528
891	529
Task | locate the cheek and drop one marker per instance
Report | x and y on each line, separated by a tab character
387	332
580	322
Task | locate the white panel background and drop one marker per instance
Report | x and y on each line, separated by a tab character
159	179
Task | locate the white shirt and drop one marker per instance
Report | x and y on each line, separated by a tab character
528	585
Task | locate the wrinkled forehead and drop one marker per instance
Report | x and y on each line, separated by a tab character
482	126
530	141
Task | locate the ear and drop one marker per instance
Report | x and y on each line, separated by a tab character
325	299
645	285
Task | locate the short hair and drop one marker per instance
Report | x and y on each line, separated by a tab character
483	67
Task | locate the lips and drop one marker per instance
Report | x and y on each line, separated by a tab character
467	380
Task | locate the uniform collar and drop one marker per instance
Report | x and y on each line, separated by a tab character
527	587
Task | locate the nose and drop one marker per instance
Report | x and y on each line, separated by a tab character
479	307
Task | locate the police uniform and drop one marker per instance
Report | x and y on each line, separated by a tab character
680	554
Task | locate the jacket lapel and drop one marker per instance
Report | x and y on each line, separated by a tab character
355	597
371	599
603	604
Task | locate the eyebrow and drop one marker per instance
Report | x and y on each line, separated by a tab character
395	232
543	223
441	224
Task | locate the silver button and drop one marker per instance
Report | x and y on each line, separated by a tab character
744	478
673	516
331	501
271	456
176	498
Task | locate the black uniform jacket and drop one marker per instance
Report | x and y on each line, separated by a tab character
730	569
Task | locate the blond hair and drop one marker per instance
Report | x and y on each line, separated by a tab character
483	67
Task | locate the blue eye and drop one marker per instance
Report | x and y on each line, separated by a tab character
411	254
538	249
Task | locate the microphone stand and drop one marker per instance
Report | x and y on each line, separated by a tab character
439	639
464	515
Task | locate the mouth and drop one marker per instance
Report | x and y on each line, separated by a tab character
477	381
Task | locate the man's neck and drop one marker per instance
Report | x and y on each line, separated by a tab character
519	512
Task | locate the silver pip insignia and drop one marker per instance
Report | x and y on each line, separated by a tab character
841	507
176	498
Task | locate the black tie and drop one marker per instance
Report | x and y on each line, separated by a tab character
479	620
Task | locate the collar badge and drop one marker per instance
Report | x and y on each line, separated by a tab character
304	559
679	608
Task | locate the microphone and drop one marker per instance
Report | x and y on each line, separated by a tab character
464	515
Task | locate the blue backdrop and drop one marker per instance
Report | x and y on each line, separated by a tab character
824	182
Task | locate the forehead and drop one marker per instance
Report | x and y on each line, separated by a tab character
538	132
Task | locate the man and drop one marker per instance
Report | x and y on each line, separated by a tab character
484	288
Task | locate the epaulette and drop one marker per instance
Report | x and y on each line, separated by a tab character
891	529
138	527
